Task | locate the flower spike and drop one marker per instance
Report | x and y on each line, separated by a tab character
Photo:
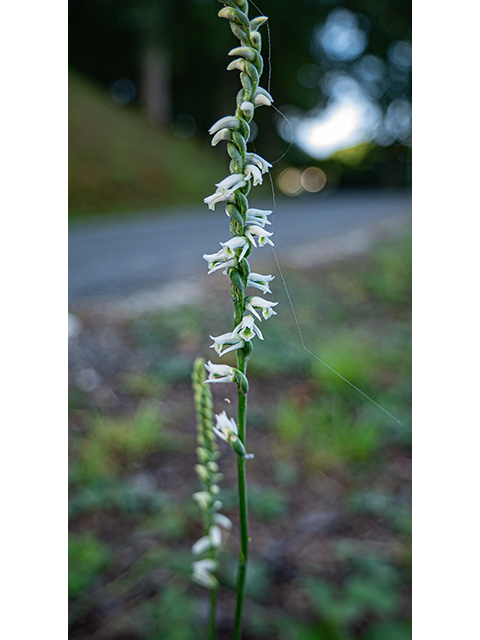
247	226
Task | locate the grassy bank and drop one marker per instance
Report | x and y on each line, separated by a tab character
118	162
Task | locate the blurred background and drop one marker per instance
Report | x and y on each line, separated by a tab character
329	487
155	71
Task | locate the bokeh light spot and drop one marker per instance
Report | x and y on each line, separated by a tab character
184	126
121	92
290	181
400	53
340	36
253	131
313	179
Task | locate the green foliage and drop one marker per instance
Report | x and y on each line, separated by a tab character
180	326
169	340
171	523
113	493
354	354
259	577
397	630
171	616
354	155
390	278
113	444
368	598
265	503
320	424
325	433
371	596
379	504
364	562
296	630
291	423
144	384
270	360
359	595
87	558
286	472
77	400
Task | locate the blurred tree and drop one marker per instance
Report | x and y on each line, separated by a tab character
175	52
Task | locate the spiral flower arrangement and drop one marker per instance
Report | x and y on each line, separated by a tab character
247	227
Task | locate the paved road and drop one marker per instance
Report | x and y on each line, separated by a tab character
121	257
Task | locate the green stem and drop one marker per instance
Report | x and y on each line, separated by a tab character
243	505
212	630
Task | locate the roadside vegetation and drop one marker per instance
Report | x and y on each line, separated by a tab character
329	487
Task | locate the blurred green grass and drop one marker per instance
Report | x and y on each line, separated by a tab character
114	444
329	485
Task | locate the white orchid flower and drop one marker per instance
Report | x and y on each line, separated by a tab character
228	340
204	456
226	256
203	472
215	536
247	329
202	572
231	182
211	541
263	236
219	260
223	521
252	171
260	282
257	22
201	545
227	430
261	100
214	199
227	122
203	498
219	372
225	427
225	189
223	134
261	97
255	302
238	64
248	53
234	243
207	564
263	165
257	217
247	108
